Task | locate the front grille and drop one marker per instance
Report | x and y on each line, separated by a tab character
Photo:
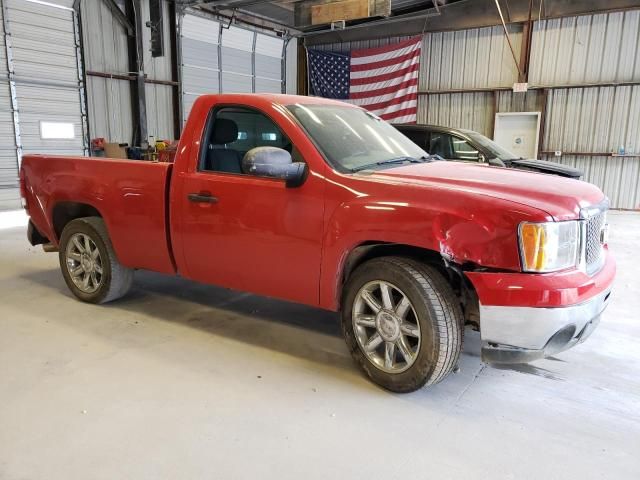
594	220
593	246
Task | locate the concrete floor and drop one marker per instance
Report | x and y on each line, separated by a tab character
184	381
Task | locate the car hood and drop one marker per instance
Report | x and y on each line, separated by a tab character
544	166
561	198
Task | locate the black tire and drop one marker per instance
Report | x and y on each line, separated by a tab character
115	279
438	314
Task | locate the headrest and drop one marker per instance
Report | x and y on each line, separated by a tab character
224	131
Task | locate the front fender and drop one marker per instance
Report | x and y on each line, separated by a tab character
461	230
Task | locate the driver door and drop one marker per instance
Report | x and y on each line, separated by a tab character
247	232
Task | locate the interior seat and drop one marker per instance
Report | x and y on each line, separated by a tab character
437	147
219	157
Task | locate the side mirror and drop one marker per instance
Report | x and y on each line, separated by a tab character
274	162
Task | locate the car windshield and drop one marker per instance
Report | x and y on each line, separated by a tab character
496	150
353	139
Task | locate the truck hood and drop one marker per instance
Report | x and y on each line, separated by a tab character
561	198
544	166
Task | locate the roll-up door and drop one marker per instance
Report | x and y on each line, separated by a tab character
200	69
237	53
45	70
268	64
9	193
223	58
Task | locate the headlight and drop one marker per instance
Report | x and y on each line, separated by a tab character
547	247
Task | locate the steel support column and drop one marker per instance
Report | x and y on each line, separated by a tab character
133	11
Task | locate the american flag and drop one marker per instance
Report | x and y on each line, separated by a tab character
383	80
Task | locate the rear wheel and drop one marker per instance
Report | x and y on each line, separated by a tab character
402	323
89	264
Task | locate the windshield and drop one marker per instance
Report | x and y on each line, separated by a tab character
353	139
496	150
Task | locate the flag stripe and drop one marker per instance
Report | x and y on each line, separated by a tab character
393	108
384	70
375	89
406	119
384	97
385	63
374	107
400	73
398	114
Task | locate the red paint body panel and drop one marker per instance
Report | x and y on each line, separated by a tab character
292	243
131	197
548	290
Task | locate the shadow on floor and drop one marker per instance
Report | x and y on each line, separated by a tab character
299	330
305	332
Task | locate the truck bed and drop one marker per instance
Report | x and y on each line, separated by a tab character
131	197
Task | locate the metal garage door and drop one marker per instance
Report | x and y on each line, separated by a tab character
42	46
9	194
217	58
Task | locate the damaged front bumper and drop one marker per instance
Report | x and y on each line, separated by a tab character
525	317
524	334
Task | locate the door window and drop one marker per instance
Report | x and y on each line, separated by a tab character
452	147
440	144
233	131
463	150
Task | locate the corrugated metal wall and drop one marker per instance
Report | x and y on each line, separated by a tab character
109	100
159	98
599	119
571	51
476	58
587	49
105	50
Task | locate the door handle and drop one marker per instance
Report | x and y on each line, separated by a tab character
202	198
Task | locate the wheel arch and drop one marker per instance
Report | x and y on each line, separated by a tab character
64	212
452	272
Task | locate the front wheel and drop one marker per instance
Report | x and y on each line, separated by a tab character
402	322
89	264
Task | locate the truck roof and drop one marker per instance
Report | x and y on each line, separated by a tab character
282	99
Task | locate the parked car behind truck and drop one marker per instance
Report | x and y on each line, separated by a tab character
461	145
319	202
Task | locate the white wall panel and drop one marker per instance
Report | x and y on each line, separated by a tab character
587	49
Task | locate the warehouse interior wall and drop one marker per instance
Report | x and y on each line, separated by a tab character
109	99
105	52
466	78
42	86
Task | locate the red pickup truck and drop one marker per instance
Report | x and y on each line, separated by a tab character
322	203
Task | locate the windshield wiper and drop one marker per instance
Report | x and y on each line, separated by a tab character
392	161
